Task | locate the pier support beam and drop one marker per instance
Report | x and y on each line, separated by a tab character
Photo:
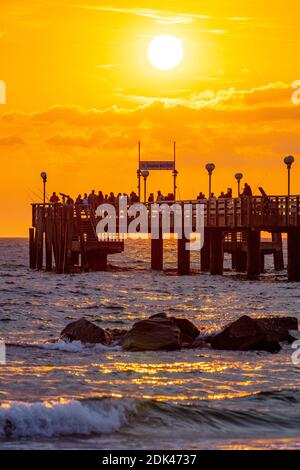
216	252
262	262
253	254
48	244
240	261
205	252
39	243
32	249
97	261
101	262
183	255
75	258
157	253
234	251
278	255
294	254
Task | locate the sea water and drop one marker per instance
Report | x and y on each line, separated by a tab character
57	395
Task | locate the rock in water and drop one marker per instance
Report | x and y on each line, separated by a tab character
116	333
86	332
157	333
277	328
244	335
198	343
189	332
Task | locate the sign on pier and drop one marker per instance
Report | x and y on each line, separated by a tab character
157	165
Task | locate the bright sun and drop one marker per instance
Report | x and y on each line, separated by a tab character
165	52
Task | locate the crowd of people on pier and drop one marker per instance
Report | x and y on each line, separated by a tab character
247	191
95	199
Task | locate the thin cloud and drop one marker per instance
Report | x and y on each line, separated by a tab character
107	66
241	18
160	16
249	98
210	31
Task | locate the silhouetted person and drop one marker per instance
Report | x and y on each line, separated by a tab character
151	198
100	198
85	200
200	196
111	198
70	201
160	197
93	199
54	199
247	190
228	195
78	201
169	197
133	197
222	195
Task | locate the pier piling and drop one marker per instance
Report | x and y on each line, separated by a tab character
48	244
216	252
97	261
278	254
231	225
205	252
39	245
241	261
183	256
294	254
157	249
253	254
32	249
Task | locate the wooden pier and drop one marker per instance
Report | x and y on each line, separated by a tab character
65	237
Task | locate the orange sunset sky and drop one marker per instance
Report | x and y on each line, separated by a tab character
81	92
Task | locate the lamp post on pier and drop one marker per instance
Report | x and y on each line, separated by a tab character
138	173
145	175
210	168
289	162
44	178
175	174
239	177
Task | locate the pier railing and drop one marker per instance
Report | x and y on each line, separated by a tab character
248	212
258	211
70	235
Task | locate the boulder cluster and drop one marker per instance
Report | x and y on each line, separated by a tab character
165	333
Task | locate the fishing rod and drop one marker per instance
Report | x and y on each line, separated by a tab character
260	183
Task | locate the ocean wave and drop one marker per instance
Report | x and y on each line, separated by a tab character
77	346
65	346
137	416
63	418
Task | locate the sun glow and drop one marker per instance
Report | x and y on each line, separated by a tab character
165	52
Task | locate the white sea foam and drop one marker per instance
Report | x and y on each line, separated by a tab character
63	418
77	346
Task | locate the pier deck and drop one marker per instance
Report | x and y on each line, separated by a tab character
230	225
